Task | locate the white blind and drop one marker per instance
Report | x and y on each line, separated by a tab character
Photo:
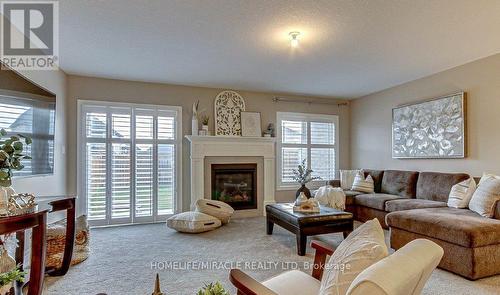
130	170
306	137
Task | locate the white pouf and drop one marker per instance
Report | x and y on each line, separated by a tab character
215	208
193	222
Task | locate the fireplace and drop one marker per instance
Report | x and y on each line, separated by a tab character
235	184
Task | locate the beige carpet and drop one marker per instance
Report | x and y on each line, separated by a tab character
122	257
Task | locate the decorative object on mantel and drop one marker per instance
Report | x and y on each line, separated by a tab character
194	119
250	124
303	176
228	107
430	129
10	159
308	206
269	132
21	204
157	290
204	123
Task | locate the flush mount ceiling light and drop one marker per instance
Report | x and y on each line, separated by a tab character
294	38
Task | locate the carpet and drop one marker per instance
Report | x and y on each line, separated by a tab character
125	260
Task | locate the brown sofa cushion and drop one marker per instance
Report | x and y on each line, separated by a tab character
401	183
458	226
349	196
408	204
377	177
437	186
375	201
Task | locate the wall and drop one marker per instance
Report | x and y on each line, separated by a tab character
87	88
55	82
371	119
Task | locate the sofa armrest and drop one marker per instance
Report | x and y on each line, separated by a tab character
496	213
334	182
322	250
247	285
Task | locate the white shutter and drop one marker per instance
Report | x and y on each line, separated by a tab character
131	155
308	137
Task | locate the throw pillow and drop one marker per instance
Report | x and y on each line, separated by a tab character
362	184
215	208
347	178
485	197
461	193
362	248
486	176
193	222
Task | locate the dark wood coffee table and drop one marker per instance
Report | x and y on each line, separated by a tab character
327	221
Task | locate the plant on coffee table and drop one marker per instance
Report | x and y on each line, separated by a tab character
303	176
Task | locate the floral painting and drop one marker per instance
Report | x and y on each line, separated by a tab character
430	129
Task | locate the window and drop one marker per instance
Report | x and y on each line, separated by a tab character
131	156
308	137
32	116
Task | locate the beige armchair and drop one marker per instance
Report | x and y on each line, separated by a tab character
405	272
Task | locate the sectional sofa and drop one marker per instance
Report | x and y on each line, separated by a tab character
413	205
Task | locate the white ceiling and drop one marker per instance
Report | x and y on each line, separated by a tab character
347	49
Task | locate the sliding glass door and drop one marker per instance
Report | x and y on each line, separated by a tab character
131	162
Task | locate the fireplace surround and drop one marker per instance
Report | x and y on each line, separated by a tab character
240	149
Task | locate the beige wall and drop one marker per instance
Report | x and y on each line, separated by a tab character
162	94
55	184
371	119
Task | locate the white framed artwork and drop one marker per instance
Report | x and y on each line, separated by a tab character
250	124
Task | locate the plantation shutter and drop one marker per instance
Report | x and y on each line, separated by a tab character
131	158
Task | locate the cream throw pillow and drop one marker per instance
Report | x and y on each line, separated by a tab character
347	178
485	197
362	184
215	208
362	248
461	193
193	222
486	176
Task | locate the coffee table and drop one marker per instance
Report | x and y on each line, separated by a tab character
327	221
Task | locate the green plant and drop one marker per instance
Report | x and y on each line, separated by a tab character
213	289
205	119
303	175
15	275
11	156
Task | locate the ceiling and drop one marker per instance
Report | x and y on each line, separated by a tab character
347	48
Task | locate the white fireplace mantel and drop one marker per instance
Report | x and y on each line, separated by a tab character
231	146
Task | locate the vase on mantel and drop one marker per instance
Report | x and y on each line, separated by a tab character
305	190
194	126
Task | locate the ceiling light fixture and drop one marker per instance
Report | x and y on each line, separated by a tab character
294	38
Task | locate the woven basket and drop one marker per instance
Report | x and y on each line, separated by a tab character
56	238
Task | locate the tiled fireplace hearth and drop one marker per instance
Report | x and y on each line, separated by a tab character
240	169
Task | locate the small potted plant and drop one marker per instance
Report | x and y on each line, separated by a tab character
303	176
204	122
213	289
7	279
11	156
